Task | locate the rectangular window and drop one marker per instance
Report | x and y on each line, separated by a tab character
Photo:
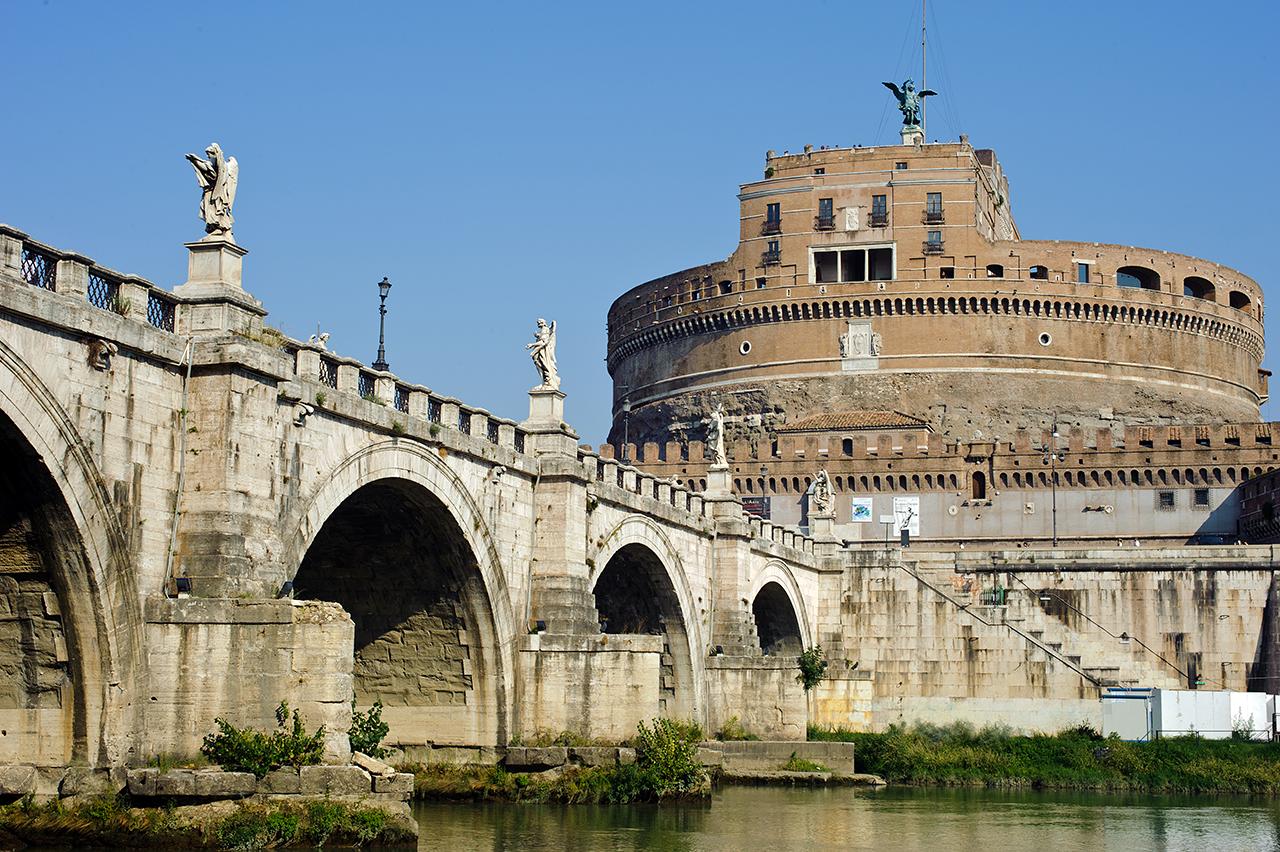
935	237
934	203
1082	273
773	213
826	208
819	171
946	272
826	267
726	287
760	283
899	166
775	247
880	204
852	265
880	264
1165	501
1202	498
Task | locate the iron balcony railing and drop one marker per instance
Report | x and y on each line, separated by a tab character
825	222
771	226
931	247
879	218
934	217
103	292
39	269
160	312
772	258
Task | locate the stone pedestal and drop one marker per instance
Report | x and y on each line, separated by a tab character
719	483
823	527
912	134
215	297
547	431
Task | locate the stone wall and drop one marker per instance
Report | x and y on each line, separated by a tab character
761	692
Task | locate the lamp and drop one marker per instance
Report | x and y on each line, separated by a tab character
384	287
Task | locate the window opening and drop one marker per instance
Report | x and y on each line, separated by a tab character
1082	273
1038	273
947	272
995	270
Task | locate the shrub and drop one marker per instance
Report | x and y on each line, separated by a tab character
246	750
368	730
733	730
667	757
813	667
799	764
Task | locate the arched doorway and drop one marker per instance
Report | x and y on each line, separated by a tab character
42	682
634	594
777	626
393	555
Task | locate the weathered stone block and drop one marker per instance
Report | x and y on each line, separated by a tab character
141	782
536	758
710	757
83	781
397	784
281	782
626	756
176	782
588	756
371	764
335	781
215	784
17	780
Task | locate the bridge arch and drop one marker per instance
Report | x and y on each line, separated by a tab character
60	531
395	538
778	584
639	583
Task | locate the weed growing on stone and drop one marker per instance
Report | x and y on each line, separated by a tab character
247	750
368	730
732	730
799	764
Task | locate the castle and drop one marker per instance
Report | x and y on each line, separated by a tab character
883	319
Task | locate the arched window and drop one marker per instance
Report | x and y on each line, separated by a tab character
1138	277
995	270
1039	273
979	482
846	446
1239	301
1198	288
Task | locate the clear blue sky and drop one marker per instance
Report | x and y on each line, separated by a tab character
504	161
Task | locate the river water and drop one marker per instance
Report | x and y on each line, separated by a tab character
947	820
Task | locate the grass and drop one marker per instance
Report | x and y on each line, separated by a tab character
111	821
799	764
959	755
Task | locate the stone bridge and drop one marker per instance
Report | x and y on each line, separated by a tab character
184	488
200	517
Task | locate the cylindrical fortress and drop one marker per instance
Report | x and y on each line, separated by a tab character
895	279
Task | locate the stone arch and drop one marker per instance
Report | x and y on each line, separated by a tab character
638	577
1138	278
58	499
395	537
779	575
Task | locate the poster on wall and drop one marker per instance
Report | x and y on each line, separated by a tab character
758	506
861	513
906	514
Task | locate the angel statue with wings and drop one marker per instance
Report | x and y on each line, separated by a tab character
543	352
217	177
909	101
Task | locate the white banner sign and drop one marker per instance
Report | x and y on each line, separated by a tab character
906	514
861	513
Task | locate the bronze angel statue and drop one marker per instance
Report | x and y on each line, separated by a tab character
217	177
909	100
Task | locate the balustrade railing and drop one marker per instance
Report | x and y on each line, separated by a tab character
328	372
39	269
402	399
103	292
435	410
160	311
366	386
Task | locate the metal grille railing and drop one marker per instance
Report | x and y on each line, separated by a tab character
160	312
879	218
434	410
492	431
519	436
103	293
366	385
328	372
39	269
464	421
402	399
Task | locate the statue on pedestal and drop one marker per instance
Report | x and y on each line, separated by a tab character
719	458
543	352
909	101
217	177
822	498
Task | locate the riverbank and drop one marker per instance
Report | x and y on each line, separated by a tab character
112	821
591	785
958	755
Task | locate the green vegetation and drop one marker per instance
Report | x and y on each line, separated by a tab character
321	398
110	821
246	750
666	767
733	730
1077	758
368	730
799	764
813	667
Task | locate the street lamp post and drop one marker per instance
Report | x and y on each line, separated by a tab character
626	426
384	287
1051	457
